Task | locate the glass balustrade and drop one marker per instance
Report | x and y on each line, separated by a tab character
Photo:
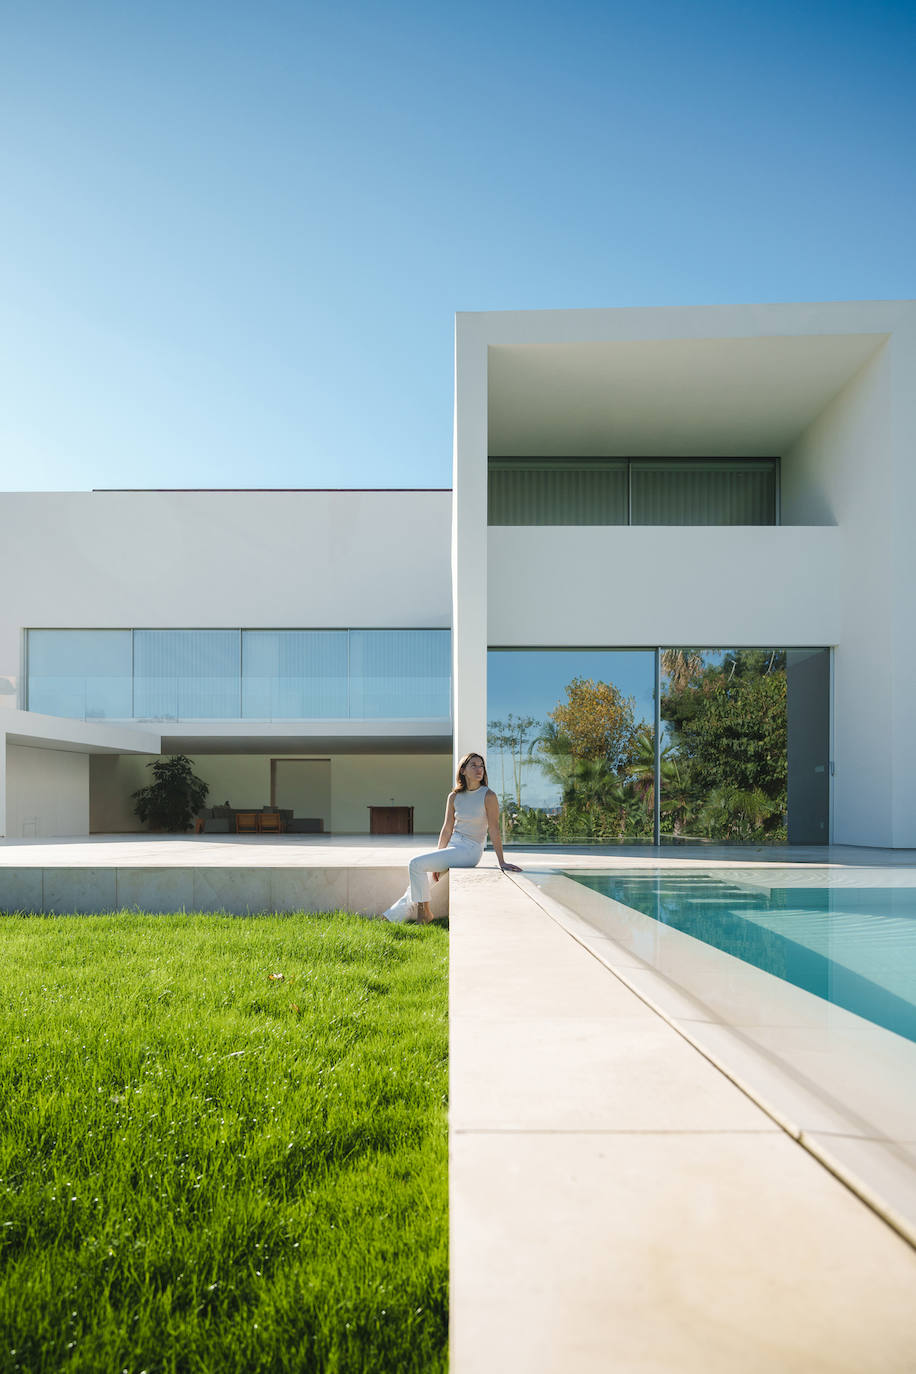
205	674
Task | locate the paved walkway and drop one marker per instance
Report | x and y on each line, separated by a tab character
617	1203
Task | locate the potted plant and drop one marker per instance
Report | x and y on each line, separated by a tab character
175	796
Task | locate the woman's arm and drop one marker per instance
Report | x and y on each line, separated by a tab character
492	805
448	825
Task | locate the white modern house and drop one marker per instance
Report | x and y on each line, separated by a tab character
628	480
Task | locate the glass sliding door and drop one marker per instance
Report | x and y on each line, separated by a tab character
724	756
571	743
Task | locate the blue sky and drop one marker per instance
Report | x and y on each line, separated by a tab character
234	235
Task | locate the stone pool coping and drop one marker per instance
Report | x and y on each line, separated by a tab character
841	1086
617	1200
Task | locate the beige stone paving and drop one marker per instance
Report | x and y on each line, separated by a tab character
671	1253
144	850
833	1080
617	1203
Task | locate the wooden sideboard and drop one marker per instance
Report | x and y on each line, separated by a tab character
390	820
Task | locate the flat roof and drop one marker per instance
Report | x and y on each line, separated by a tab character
270	490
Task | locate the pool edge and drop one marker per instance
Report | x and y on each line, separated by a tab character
762	1077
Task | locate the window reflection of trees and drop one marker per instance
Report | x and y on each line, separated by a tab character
722	763
598	758
725	718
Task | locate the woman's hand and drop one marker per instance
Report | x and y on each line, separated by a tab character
510	868
435	877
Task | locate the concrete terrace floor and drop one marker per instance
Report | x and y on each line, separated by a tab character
372	850
618	1202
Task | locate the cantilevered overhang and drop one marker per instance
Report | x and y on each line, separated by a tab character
735	397
36	731
308	737
225	737
668	381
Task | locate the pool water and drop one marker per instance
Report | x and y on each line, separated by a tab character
853	946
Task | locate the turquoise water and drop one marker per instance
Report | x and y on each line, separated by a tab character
853	946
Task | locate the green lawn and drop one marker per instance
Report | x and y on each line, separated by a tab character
204	1167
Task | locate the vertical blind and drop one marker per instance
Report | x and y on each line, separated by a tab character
294	674
740	493
186	674
240	674
638	491
558	492
389	668
83	674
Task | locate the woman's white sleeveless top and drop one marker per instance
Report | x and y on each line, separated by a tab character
471	815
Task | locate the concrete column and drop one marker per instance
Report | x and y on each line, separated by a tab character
841	471
469	539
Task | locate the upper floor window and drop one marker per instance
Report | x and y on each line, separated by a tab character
633	491
240	674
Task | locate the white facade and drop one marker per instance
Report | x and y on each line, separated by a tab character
828	389
314	560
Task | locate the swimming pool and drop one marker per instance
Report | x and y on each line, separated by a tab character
853	946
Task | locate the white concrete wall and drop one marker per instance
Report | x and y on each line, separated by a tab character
855	465
849	462
36	779
222	559
642	586
47	792
357	782
362	780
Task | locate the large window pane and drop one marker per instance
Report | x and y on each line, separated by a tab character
400	674
693	493
557	491
186	674
233	674
294	674
80	673
724	762
571	743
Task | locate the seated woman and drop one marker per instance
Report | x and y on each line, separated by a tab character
471	810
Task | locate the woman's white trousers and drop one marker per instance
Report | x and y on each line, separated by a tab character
458	853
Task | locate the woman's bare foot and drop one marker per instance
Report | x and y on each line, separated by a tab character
424	915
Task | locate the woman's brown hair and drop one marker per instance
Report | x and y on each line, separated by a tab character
461	782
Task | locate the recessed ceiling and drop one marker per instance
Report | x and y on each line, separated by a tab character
673	398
